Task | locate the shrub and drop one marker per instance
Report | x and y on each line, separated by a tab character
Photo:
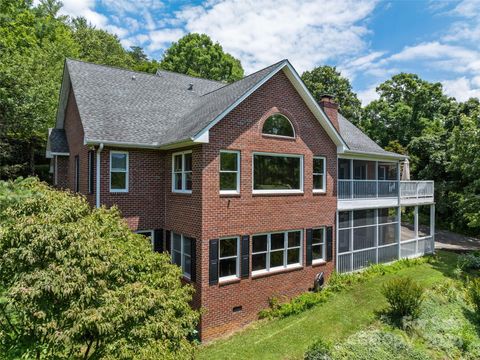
404	296
77	283
319	350
470	261
474	294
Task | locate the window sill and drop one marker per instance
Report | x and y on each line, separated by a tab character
119	192
279	137
319	192
264	273
319	262
228	280
182	192
276	193
229	194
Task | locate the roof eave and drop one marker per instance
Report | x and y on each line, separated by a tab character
373	155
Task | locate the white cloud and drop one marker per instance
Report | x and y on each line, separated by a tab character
462	88
259	33
468	8
161	39
84	8
367	95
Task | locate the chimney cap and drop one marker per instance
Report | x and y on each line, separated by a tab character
327	97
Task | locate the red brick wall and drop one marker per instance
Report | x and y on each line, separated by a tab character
62	171
251	214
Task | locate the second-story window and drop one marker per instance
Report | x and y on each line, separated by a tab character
229	172
182	172
118	171
277	173
319	178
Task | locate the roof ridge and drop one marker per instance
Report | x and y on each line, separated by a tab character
111	67
190	76
245	77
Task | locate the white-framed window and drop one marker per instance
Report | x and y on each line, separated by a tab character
182	172
228	258
318	244
278	125
277	173
118	171
319	177
229	172
147	233
276	251
181	253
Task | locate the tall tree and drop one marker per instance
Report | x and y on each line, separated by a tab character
328	80
197	55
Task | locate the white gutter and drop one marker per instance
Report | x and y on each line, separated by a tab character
97	192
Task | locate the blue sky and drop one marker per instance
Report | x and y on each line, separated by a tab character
368	40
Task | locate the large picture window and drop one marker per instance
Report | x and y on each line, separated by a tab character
182	172
229	172
319	178
275	251
278	125
118	171
181	253
277	173
228	258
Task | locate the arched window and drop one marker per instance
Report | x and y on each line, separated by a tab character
278	125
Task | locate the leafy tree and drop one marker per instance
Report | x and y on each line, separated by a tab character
405	107
77	283
197	55
328	80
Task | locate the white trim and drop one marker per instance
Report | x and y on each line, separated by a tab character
301	88
220	171
280	136
182	254
126	171
323	243
97	178
278	191
237	258
285	249
182	172
324	185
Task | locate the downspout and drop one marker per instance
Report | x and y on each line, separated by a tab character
97	192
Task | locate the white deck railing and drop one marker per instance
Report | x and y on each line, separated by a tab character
373	189
416	189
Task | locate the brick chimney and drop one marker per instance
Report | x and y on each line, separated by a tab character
330	107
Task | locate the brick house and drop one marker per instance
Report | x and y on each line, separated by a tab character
253	187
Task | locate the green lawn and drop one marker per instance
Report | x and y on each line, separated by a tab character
343	314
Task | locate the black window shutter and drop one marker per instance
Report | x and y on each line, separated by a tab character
245	256
158	240
308	249
329	243
213	262
168	240
193	260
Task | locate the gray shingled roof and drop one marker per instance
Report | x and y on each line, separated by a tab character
57	141
124	106
357	140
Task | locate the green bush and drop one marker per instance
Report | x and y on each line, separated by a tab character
77	283
319	350
470	261
404	296
474	294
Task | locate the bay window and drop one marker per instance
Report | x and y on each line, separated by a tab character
182	172
319	178
181	253
229	172
228	264
118	171
277	173
275	251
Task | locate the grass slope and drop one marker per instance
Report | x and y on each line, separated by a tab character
342	315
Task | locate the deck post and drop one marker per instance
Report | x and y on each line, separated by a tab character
432	225
399	231
415	227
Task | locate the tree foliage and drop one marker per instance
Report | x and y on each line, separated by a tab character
197	55
77	283
328	80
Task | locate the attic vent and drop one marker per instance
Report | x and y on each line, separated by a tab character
190	86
